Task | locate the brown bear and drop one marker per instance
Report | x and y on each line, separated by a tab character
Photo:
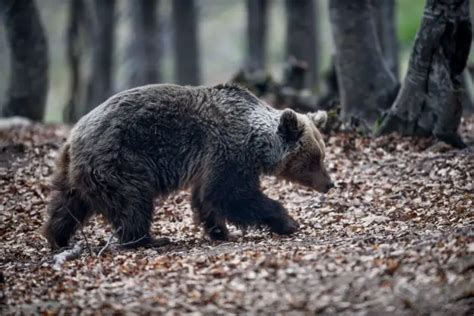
152	140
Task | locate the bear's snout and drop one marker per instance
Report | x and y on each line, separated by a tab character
325	188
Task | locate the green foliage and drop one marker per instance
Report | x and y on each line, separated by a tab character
409	13
378	124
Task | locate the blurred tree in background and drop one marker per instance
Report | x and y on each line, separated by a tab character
143	52
186	44
385	26
288	43
76	49
430	99
89	50
29	79
301	37
102	34
257	17
367	86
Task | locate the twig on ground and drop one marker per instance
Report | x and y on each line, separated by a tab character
106	245
133	241
82	231
109	241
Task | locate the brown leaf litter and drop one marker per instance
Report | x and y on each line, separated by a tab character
395	236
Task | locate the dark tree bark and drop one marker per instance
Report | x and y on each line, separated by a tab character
331	95
292	93
429	102
100	80
90	44
75	50
143	49
294	74
29	80
387	32
301	37
367	87
257	13
186	48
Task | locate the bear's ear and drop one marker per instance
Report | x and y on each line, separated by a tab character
289	127
319	118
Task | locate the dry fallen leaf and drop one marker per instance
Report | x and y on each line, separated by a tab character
396	236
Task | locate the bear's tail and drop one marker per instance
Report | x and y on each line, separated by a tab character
67	209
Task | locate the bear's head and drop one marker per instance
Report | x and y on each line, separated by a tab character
303	161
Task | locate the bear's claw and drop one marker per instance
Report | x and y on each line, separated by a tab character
158	242
285	226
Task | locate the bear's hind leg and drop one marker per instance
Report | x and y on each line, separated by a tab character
205	214
131	220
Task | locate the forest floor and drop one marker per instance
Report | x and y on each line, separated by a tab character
396	236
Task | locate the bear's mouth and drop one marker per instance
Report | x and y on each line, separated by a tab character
316	185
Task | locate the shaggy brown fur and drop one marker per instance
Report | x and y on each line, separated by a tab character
152	140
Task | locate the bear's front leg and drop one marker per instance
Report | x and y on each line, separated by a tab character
256	209
278	219
233	193
237	198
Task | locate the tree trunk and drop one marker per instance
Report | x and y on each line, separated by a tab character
143	49
292	93
387	32
75	50
28	83
429	102
186	48
367	87
257	13
331	95
468	86
100	80
301	37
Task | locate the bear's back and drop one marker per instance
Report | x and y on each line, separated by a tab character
173	127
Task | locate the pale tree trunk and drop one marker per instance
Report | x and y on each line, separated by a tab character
387	32
429	102
367	86
257	14
100	80
468	73
29	80
142	61
186	45
468	86
301	37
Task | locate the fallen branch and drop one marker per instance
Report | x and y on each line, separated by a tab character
68	254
